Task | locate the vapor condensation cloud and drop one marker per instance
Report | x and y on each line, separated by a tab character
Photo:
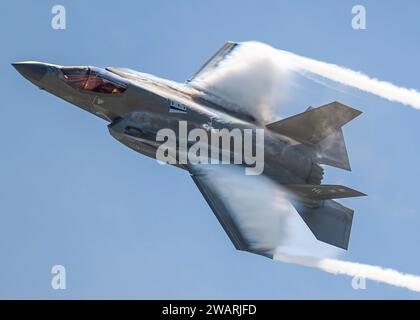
251	79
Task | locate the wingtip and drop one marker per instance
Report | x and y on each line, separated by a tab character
355	111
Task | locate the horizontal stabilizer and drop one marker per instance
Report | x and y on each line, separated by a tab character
315	124
330	223
323	192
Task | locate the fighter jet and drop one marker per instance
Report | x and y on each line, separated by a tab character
138	105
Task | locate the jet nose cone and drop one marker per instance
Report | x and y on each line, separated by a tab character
33	71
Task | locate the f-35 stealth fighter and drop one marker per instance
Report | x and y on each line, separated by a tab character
138	105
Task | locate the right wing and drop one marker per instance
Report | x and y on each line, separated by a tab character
243	78
214	61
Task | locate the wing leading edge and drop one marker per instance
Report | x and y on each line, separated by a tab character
214	61
250	209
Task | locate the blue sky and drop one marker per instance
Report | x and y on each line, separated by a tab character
125	227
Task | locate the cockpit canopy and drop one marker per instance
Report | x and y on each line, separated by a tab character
91	79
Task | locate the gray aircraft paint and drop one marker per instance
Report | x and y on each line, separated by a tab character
293	148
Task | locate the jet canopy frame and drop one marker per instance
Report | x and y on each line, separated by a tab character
93	80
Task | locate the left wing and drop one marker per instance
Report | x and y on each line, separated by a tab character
257	213
251	209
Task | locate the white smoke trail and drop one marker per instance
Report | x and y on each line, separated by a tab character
256	78
376	273
356	79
